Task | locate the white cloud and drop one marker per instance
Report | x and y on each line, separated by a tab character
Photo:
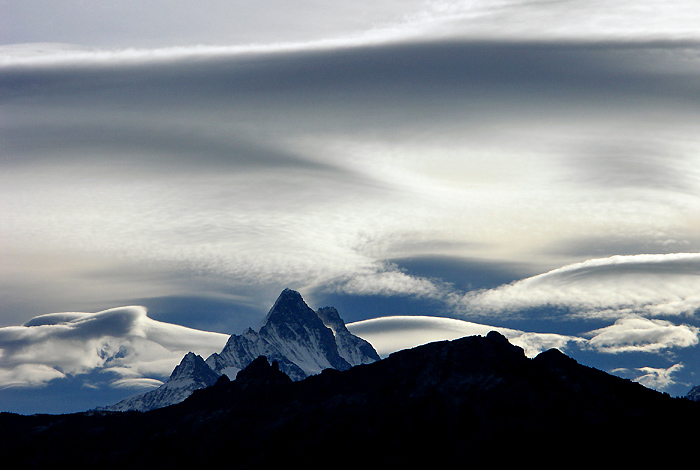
123	341
648	285
630	334
386	280
144	383
254	28
654	378
272	25
28	375
634	333
253	186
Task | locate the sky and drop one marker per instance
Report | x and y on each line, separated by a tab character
429	168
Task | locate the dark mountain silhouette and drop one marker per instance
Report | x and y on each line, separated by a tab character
472	400
694	393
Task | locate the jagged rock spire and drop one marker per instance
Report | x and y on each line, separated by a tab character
299	341
303	342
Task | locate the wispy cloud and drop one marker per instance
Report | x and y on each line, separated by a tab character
271	29
216	29
652	377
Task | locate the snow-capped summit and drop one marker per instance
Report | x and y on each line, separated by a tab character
289	308
352	348
191	374
193	368
303	342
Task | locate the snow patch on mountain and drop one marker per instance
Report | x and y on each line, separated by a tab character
301	341
191	374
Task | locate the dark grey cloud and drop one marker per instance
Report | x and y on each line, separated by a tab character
465	273
534	74
313	167
240	109
166	149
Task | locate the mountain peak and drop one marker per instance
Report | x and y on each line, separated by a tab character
300	335
303	342
191	374
193	367
296	340
289	308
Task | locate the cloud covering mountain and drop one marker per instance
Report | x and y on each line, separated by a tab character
130	349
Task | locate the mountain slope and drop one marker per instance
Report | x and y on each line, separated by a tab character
446	403
191	374
694	393
353	349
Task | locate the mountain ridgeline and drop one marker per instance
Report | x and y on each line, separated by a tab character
302	342
474	399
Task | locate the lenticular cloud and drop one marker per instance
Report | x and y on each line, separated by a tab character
637	334
647	285
123	341
391	334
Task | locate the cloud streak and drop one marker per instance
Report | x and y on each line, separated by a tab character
649	285
229	30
